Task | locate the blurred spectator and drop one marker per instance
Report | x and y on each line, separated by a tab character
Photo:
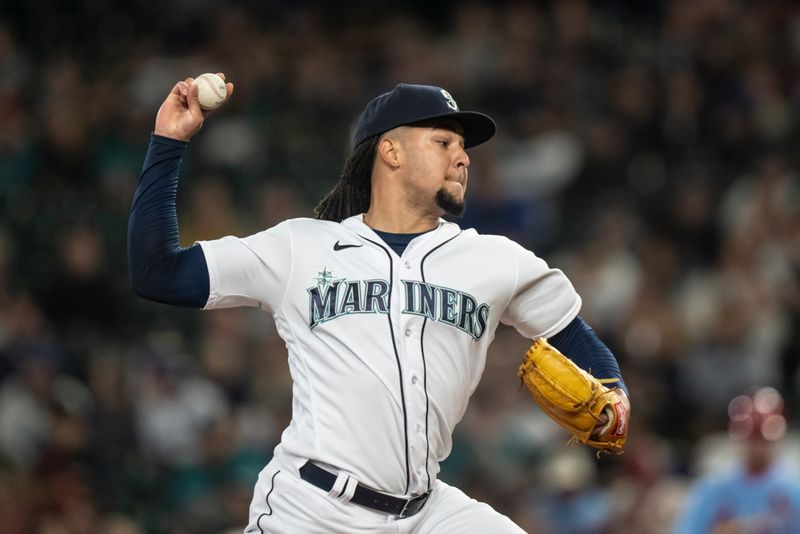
111	442
760	494
81	298
646	492
174	408
569	499
211	212
17	502
28	399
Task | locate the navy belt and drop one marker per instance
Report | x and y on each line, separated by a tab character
364	496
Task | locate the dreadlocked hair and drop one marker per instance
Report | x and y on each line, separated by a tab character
351	195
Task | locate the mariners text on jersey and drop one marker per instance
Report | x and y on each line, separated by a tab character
332	298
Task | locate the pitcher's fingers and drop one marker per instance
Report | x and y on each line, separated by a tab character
183	92
194	100
176	89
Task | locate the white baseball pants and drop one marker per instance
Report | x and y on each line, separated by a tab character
283	503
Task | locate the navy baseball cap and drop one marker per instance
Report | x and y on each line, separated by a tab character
407	104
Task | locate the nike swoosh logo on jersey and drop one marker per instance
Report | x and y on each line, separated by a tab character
337	246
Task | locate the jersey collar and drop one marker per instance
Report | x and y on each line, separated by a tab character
444	231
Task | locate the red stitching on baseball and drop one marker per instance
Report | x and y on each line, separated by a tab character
214	88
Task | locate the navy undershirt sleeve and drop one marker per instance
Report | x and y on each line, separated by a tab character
579	342
159	268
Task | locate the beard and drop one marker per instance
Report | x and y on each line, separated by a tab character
450	204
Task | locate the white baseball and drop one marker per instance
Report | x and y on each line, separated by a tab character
210	91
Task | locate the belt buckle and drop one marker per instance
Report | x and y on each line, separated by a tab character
403	511
421	497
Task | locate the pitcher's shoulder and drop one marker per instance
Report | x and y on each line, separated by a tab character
472	236
309	224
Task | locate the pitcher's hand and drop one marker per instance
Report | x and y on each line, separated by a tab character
180	116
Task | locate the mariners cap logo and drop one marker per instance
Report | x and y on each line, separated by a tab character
451	103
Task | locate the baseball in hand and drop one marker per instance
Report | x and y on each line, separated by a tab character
210	91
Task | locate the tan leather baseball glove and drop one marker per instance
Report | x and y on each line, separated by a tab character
575	399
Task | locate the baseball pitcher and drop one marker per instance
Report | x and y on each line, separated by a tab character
387	312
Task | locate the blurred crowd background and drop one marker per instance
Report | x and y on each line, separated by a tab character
649	149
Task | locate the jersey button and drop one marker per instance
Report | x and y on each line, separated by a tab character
408	332
407	264
414	379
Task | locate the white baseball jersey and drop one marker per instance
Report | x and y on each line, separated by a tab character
384	350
